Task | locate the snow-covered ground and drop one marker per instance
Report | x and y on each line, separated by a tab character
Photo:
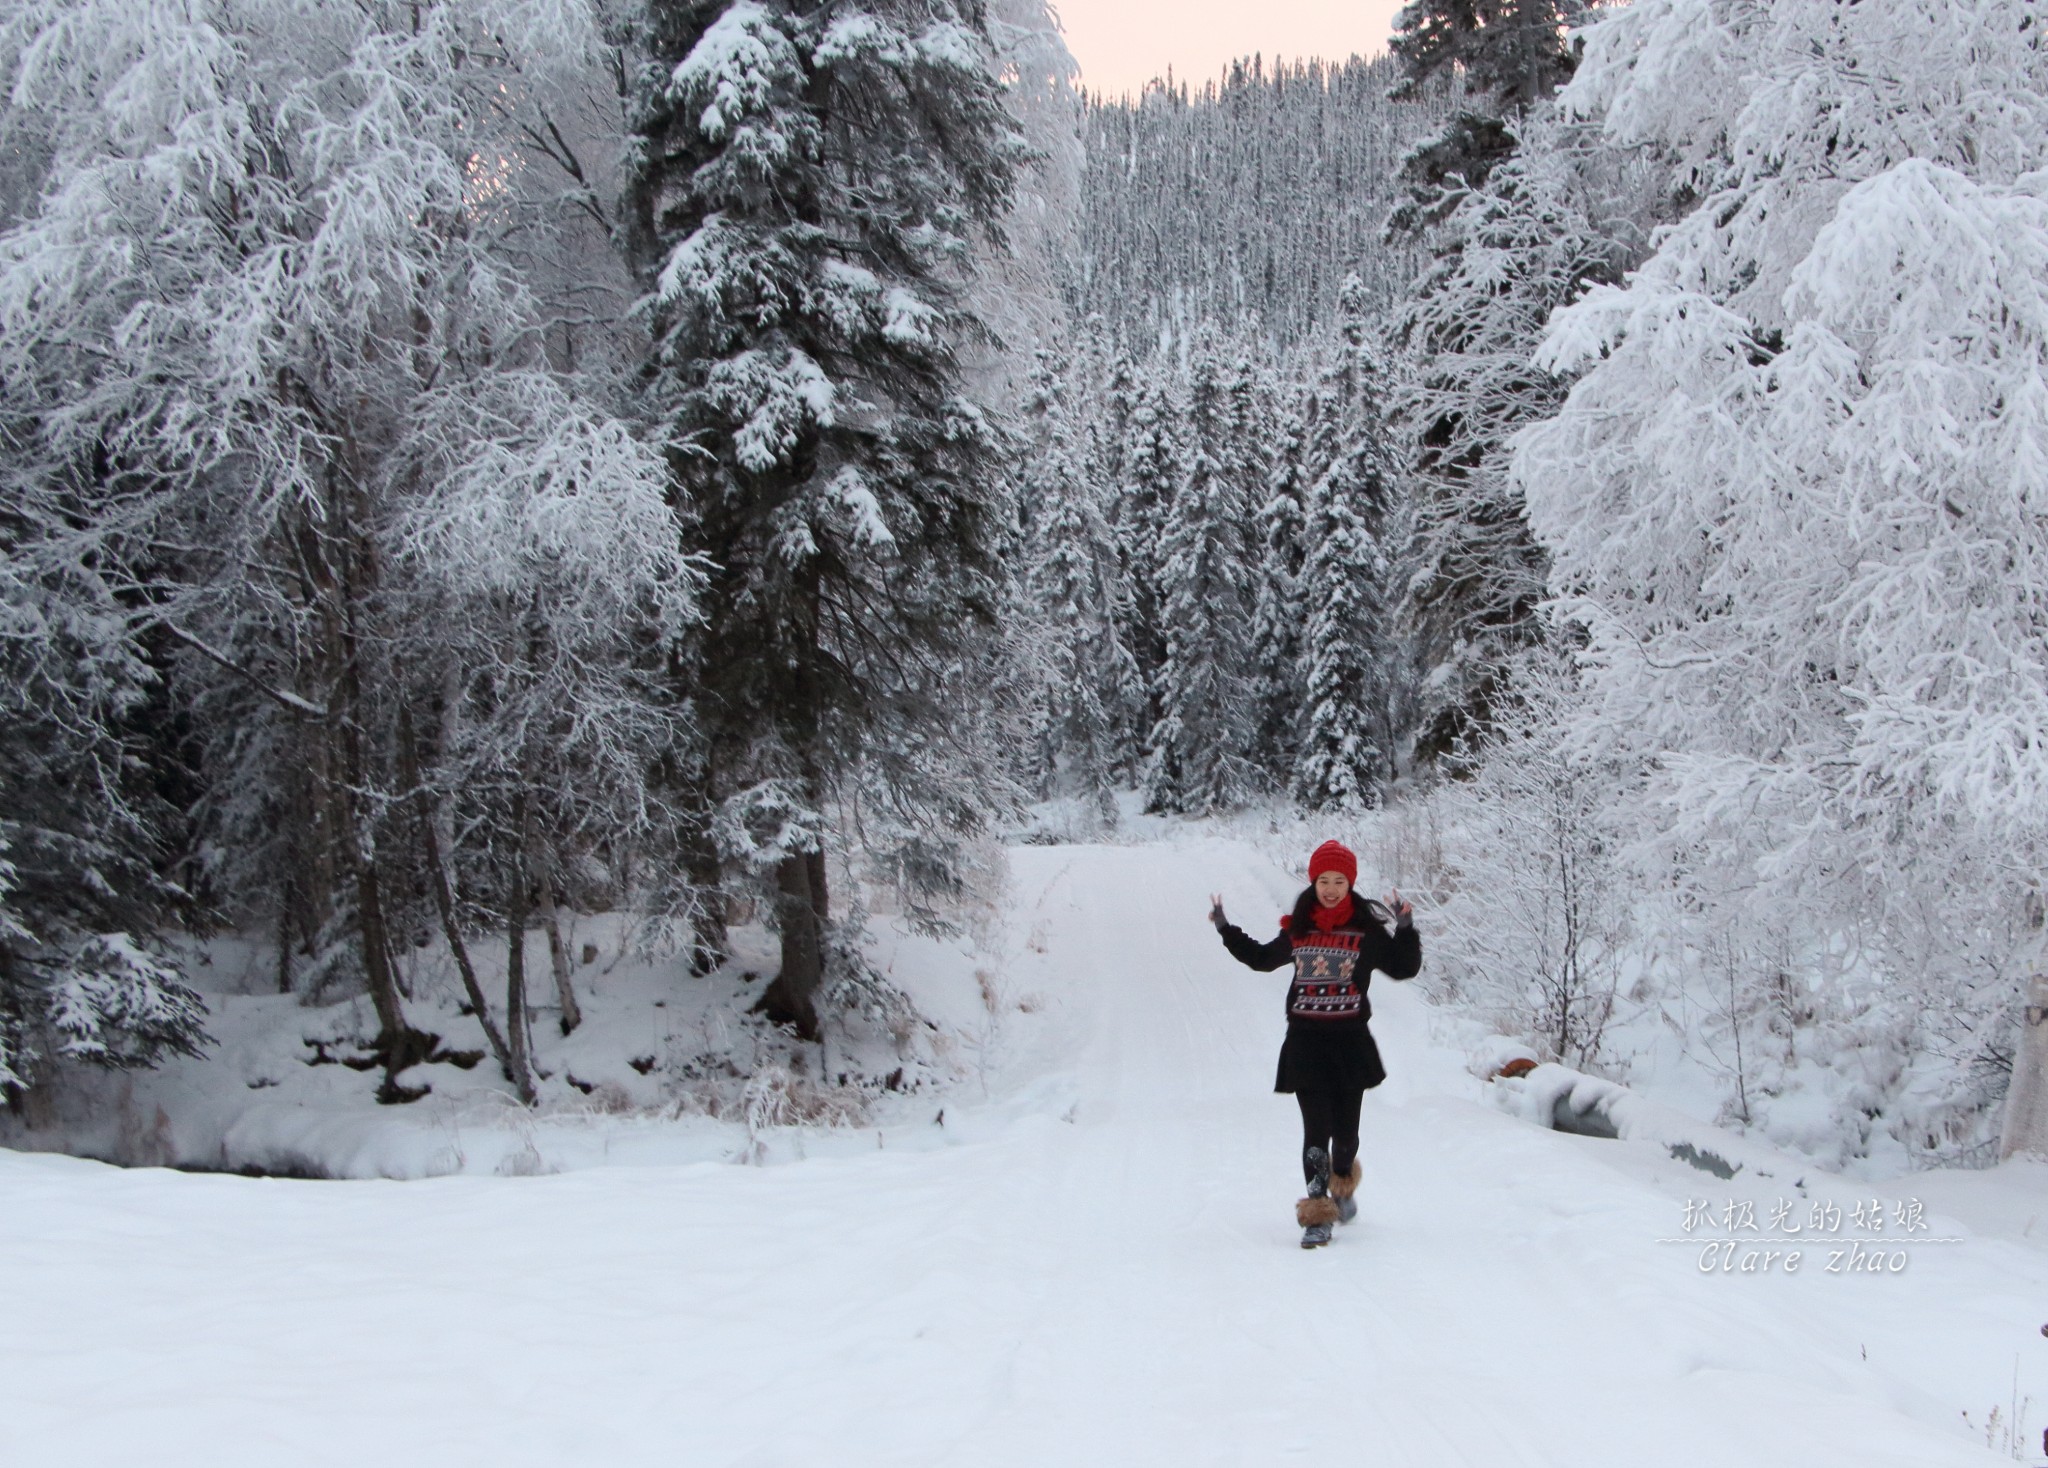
1090	1259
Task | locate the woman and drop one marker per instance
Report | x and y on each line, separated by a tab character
1329	1060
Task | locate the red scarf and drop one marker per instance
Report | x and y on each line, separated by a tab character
1329	919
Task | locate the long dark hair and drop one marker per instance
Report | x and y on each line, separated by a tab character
1367	907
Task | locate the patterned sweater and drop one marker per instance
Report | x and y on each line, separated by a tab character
1331	970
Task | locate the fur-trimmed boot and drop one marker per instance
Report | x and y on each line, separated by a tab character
1342	1188
1317	1211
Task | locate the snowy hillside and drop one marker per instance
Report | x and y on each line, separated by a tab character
1091	1258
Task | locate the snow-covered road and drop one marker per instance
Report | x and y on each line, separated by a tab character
1104	1272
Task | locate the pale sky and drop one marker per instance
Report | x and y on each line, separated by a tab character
1122	44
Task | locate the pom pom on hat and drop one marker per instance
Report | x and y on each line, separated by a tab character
1333	856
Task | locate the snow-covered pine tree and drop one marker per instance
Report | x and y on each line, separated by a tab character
1250	411
1076	594
1498	59
1109	401
1200	747
810	173
1345	756
1141	507
84	831
1276	605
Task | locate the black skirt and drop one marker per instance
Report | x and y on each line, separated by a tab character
1321	1056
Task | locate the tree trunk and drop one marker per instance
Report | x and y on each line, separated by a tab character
515	967
541	883
401	1044
792	999
398	1040
710	943
427	814
284	937
444	904
2026	1100
558	949
342	591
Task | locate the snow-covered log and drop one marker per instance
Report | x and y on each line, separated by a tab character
1566	1100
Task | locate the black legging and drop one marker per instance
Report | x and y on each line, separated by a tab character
1329	1119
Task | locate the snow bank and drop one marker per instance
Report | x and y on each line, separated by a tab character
666	1068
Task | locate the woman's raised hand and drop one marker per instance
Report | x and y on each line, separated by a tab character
1404	912
1216	918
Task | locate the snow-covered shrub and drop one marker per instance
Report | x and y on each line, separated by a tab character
102	999
776	1096
1533	923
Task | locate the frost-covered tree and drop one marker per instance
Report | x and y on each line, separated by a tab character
550	566
1277	604
1200	746
1346	643
1141	504
1563	212
266	318
1018	285
1793	501
1538	916
1500	59
1518	214
811	175
1088	672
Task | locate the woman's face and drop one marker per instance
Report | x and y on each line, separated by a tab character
1331	888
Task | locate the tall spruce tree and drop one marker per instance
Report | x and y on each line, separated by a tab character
1106	421
810	173
1199	761
1142	504
1343	760
1276	602
1088	671
1346	751
1501	58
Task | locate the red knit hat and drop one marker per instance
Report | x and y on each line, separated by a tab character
1333	856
